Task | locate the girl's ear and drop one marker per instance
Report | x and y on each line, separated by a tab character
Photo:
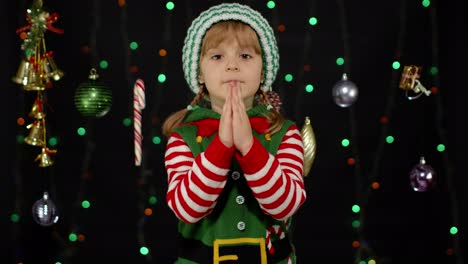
201	79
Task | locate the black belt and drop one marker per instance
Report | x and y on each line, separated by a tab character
196	251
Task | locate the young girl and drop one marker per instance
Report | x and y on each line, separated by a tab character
234	164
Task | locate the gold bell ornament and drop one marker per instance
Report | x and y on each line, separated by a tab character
34	81
37	109
50	68
44	157
36	133
22	74
310	145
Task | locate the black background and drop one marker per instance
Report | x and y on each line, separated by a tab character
401	226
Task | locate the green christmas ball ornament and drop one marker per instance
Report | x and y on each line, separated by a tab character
92	98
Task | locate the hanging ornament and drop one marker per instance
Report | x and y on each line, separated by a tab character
50	69
38	22
37	67
22	74
345	92
93	98
422	176
44	157
308	138
36	136
37	108
35	80
44	211
409	82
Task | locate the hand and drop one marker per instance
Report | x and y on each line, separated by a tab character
225	122
242	131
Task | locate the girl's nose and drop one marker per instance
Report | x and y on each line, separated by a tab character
232	66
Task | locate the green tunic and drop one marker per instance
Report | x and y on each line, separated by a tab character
237	218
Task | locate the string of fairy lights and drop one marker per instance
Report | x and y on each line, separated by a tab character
455	248
147	199
355	159
77	231
364	251
146	191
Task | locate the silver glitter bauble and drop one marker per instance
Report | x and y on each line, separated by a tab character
345	92
44	211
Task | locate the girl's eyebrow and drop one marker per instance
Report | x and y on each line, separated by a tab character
251	49
212	50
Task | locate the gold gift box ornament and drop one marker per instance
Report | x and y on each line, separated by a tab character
410	82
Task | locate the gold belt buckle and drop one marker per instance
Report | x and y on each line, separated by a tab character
233	241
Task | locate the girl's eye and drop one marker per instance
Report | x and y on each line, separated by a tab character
216	57
246	56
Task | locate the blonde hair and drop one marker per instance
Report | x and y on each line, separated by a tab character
230	31
218	33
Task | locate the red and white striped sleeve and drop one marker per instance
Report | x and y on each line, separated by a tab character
195	183
276	181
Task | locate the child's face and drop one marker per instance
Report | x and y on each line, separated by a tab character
230	62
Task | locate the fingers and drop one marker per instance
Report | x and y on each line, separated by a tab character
225	122
227	107
242	132
238	106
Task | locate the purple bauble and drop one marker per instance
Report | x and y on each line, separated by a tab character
422	176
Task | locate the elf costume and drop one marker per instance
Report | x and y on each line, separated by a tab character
233	208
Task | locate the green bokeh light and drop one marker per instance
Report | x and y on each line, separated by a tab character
426	3
453	230
288	77
156	140
309	88
345	142
434	70
144	250
103	64
53	141
127	121
356	224
396	65
85	204
153	200
441	147
133	45
271	4
81	131
339	61
313	21
389	139
170	5
20	139
14	218
356	208
161	78
72	237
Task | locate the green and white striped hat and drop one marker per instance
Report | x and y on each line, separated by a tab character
222	12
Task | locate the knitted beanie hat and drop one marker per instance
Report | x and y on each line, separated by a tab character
222	12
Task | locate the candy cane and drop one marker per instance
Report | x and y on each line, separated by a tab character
277	230
138	105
